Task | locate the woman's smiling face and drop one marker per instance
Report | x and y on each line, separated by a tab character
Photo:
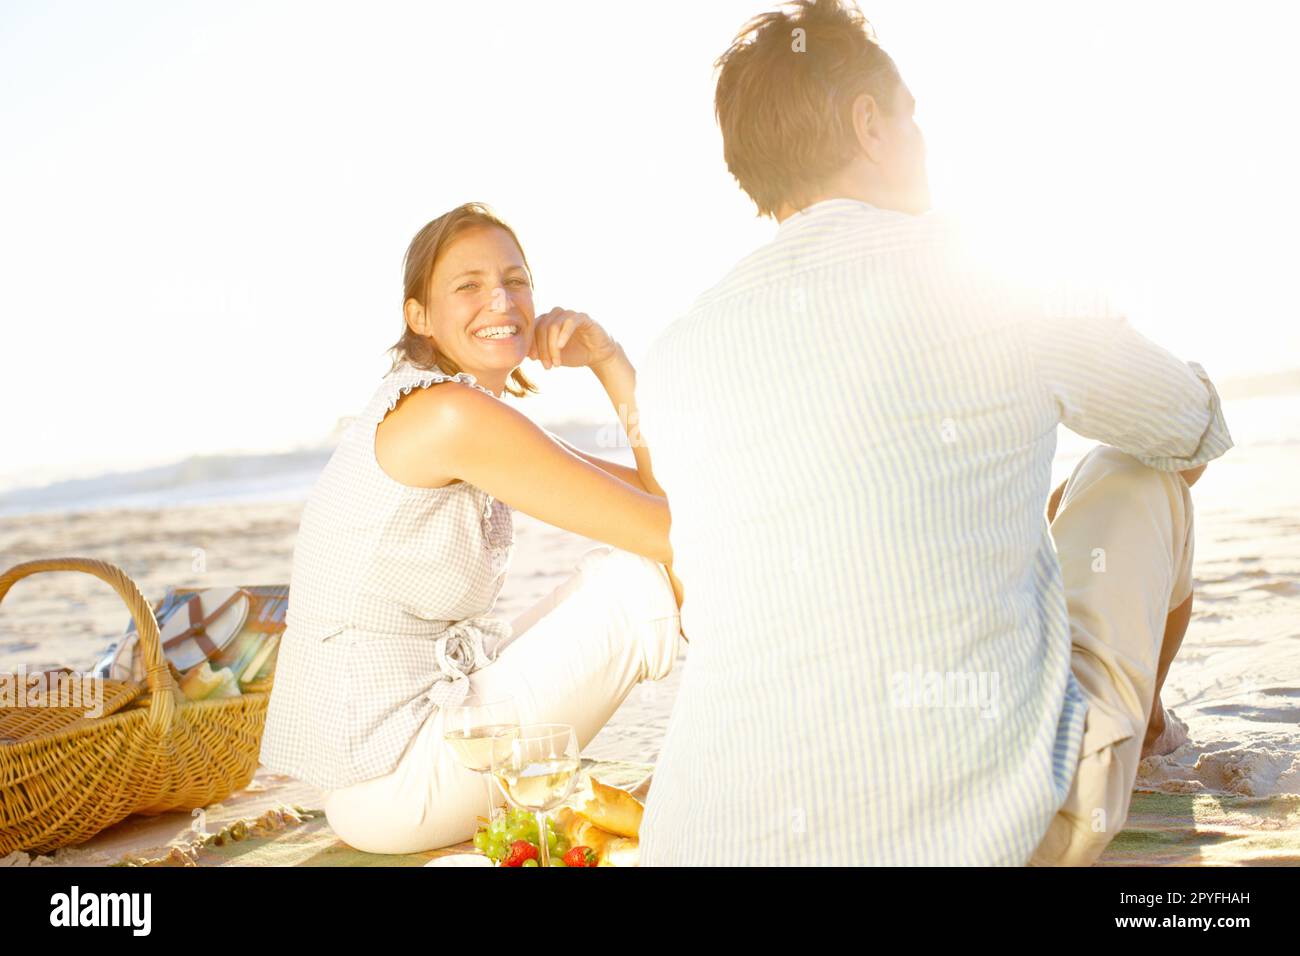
480	305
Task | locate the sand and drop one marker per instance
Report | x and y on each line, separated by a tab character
1236	680
1236	683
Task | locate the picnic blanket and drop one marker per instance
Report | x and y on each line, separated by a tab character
1163	829
312	843
1202	829
275	821
278	822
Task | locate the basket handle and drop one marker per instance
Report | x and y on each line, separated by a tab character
164	698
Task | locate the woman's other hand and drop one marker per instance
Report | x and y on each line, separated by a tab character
572	339
1192	474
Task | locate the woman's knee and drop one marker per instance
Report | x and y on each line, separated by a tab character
388	830
353	828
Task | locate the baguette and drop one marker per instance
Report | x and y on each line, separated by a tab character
614	810
610	848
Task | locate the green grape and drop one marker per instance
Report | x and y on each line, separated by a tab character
482	840
498	827
496	850
556	861
552	839
531	863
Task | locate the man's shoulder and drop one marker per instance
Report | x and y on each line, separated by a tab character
847	238
943	233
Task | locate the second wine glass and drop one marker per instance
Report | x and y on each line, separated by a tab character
536	768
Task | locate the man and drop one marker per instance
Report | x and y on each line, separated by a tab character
894	658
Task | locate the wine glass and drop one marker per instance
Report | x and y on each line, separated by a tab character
473	728
536	768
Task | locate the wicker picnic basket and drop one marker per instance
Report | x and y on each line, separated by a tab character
64	776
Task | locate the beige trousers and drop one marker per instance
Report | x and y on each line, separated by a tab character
1123	533
572	658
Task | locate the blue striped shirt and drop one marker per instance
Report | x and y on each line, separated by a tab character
855	430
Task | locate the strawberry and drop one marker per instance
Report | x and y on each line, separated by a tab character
519	851
580	856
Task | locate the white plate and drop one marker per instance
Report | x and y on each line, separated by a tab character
222	630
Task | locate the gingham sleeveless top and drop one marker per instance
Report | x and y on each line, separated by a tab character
390	597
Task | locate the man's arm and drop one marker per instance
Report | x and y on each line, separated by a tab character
1116	386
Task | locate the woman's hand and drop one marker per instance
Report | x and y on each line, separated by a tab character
1192	474
572	339
678	591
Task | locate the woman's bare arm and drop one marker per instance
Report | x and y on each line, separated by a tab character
480	440
633	478
621	472
567	338
619	380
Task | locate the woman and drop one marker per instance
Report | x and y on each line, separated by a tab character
405	540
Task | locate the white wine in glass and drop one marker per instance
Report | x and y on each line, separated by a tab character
473	747
537	768
472	729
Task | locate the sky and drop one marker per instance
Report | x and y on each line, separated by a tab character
205	205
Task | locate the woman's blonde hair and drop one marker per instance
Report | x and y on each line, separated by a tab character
421	256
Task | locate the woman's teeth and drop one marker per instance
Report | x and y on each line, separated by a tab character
497	332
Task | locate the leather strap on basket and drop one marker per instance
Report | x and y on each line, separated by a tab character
198	624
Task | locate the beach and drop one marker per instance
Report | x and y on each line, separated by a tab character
1236	682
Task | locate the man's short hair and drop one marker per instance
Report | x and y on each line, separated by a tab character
784	98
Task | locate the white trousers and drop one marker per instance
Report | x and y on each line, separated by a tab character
1124	535
572	658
